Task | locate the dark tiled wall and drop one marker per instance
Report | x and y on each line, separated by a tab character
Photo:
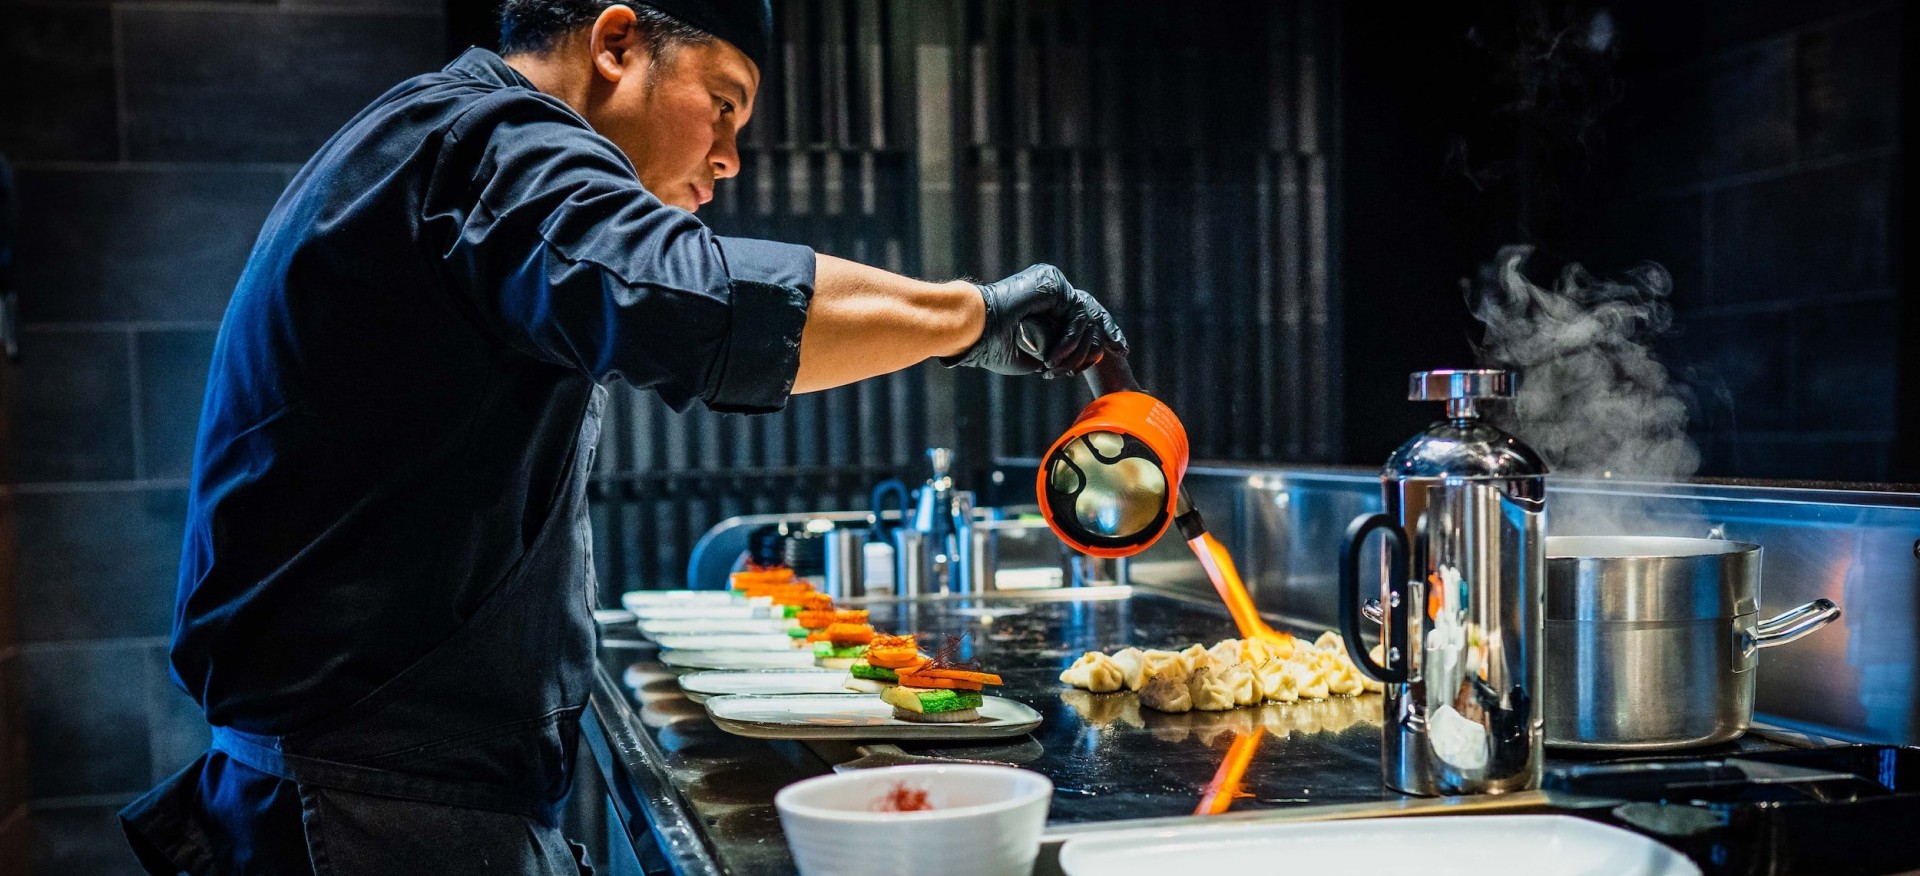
149	140
1758	156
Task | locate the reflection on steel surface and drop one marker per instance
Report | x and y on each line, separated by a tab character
1220	792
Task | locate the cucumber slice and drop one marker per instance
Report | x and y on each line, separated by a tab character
931	701
863	669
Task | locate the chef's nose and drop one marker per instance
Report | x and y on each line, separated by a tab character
725	157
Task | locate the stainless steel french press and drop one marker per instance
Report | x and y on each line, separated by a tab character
1461	584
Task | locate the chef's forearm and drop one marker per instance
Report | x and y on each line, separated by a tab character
865	322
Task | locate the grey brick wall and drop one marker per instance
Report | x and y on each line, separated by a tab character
148	140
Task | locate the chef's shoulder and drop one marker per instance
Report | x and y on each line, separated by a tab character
522	125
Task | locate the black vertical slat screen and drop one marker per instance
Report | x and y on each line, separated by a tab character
1172	158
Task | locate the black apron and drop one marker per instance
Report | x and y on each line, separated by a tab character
382	788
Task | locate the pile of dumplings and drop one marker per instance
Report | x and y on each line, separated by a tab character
1231	674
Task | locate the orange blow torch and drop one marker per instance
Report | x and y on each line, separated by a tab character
1111	485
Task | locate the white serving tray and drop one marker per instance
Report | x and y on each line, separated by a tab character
687	661
856	716
735	642
767	682
1464	845
709	627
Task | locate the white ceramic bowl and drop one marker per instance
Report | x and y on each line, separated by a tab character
985	820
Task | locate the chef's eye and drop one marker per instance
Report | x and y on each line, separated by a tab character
726	106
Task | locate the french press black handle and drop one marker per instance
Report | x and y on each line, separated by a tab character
1395	611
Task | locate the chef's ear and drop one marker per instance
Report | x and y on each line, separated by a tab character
616	41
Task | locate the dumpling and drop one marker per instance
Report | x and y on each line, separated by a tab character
1344	680
1134	671
1164	693
1168	665
1198	657
1209	692
1330	641
1226	653
1278	682
1312	681
1104	675
1076	674
1245	686
1258	651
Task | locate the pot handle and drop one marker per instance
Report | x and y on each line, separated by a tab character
1395	634
1794	623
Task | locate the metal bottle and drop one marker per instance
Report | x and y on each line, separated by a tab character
934	549
1463	596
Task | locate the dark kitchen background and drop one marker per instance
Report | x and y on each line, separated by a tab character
1286	203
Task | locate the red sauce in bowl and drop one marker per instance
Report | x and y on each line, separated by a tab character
903	798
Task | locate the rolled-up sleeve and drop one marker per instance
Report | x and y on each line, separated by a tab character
552	245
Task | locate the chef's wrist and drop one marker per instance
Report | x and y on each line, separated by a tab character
966	317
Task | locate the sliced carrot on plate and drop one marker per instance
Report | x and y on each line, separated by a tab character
912	680
850	634
957	675
893	658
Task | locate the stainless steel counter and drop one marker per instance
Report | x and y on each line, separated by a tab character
703	799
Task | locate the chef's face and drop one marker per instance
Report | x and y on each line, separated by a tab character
676	117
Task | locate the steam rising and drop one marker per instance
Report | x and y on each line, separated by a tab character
1592	398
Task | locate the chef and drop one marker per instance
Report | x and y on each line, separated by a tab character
386	589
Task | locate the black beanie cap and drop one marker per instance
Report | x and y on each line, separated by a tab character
747	24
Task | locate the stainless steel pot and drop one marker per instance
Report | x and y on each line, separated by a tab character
1652	642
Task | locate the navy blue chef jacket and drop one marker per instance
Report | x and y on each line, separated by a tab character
386	588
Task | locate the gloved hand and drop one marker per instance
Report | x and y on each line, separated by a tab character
1074	330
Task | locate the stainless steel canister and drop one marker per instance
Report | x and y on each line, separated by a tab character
846	573
912	563
1653	642
1461	584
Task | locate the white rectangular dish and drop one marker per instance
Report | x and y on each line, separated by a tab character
856	716
709	627
1465	845
636	598
699	686
723	642
700	611
688	661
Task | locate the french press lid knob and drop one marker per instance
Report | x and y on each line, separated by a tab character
1461	387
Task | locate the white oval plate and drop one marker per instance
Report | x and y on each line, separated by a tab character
701	685
740	642
1538	845
856	716
709	627
687	661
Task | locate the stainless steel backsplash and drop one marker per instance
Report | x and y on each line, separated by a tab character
1856	679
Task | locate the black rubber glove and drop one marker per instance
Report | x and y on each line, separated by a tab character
1069	329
